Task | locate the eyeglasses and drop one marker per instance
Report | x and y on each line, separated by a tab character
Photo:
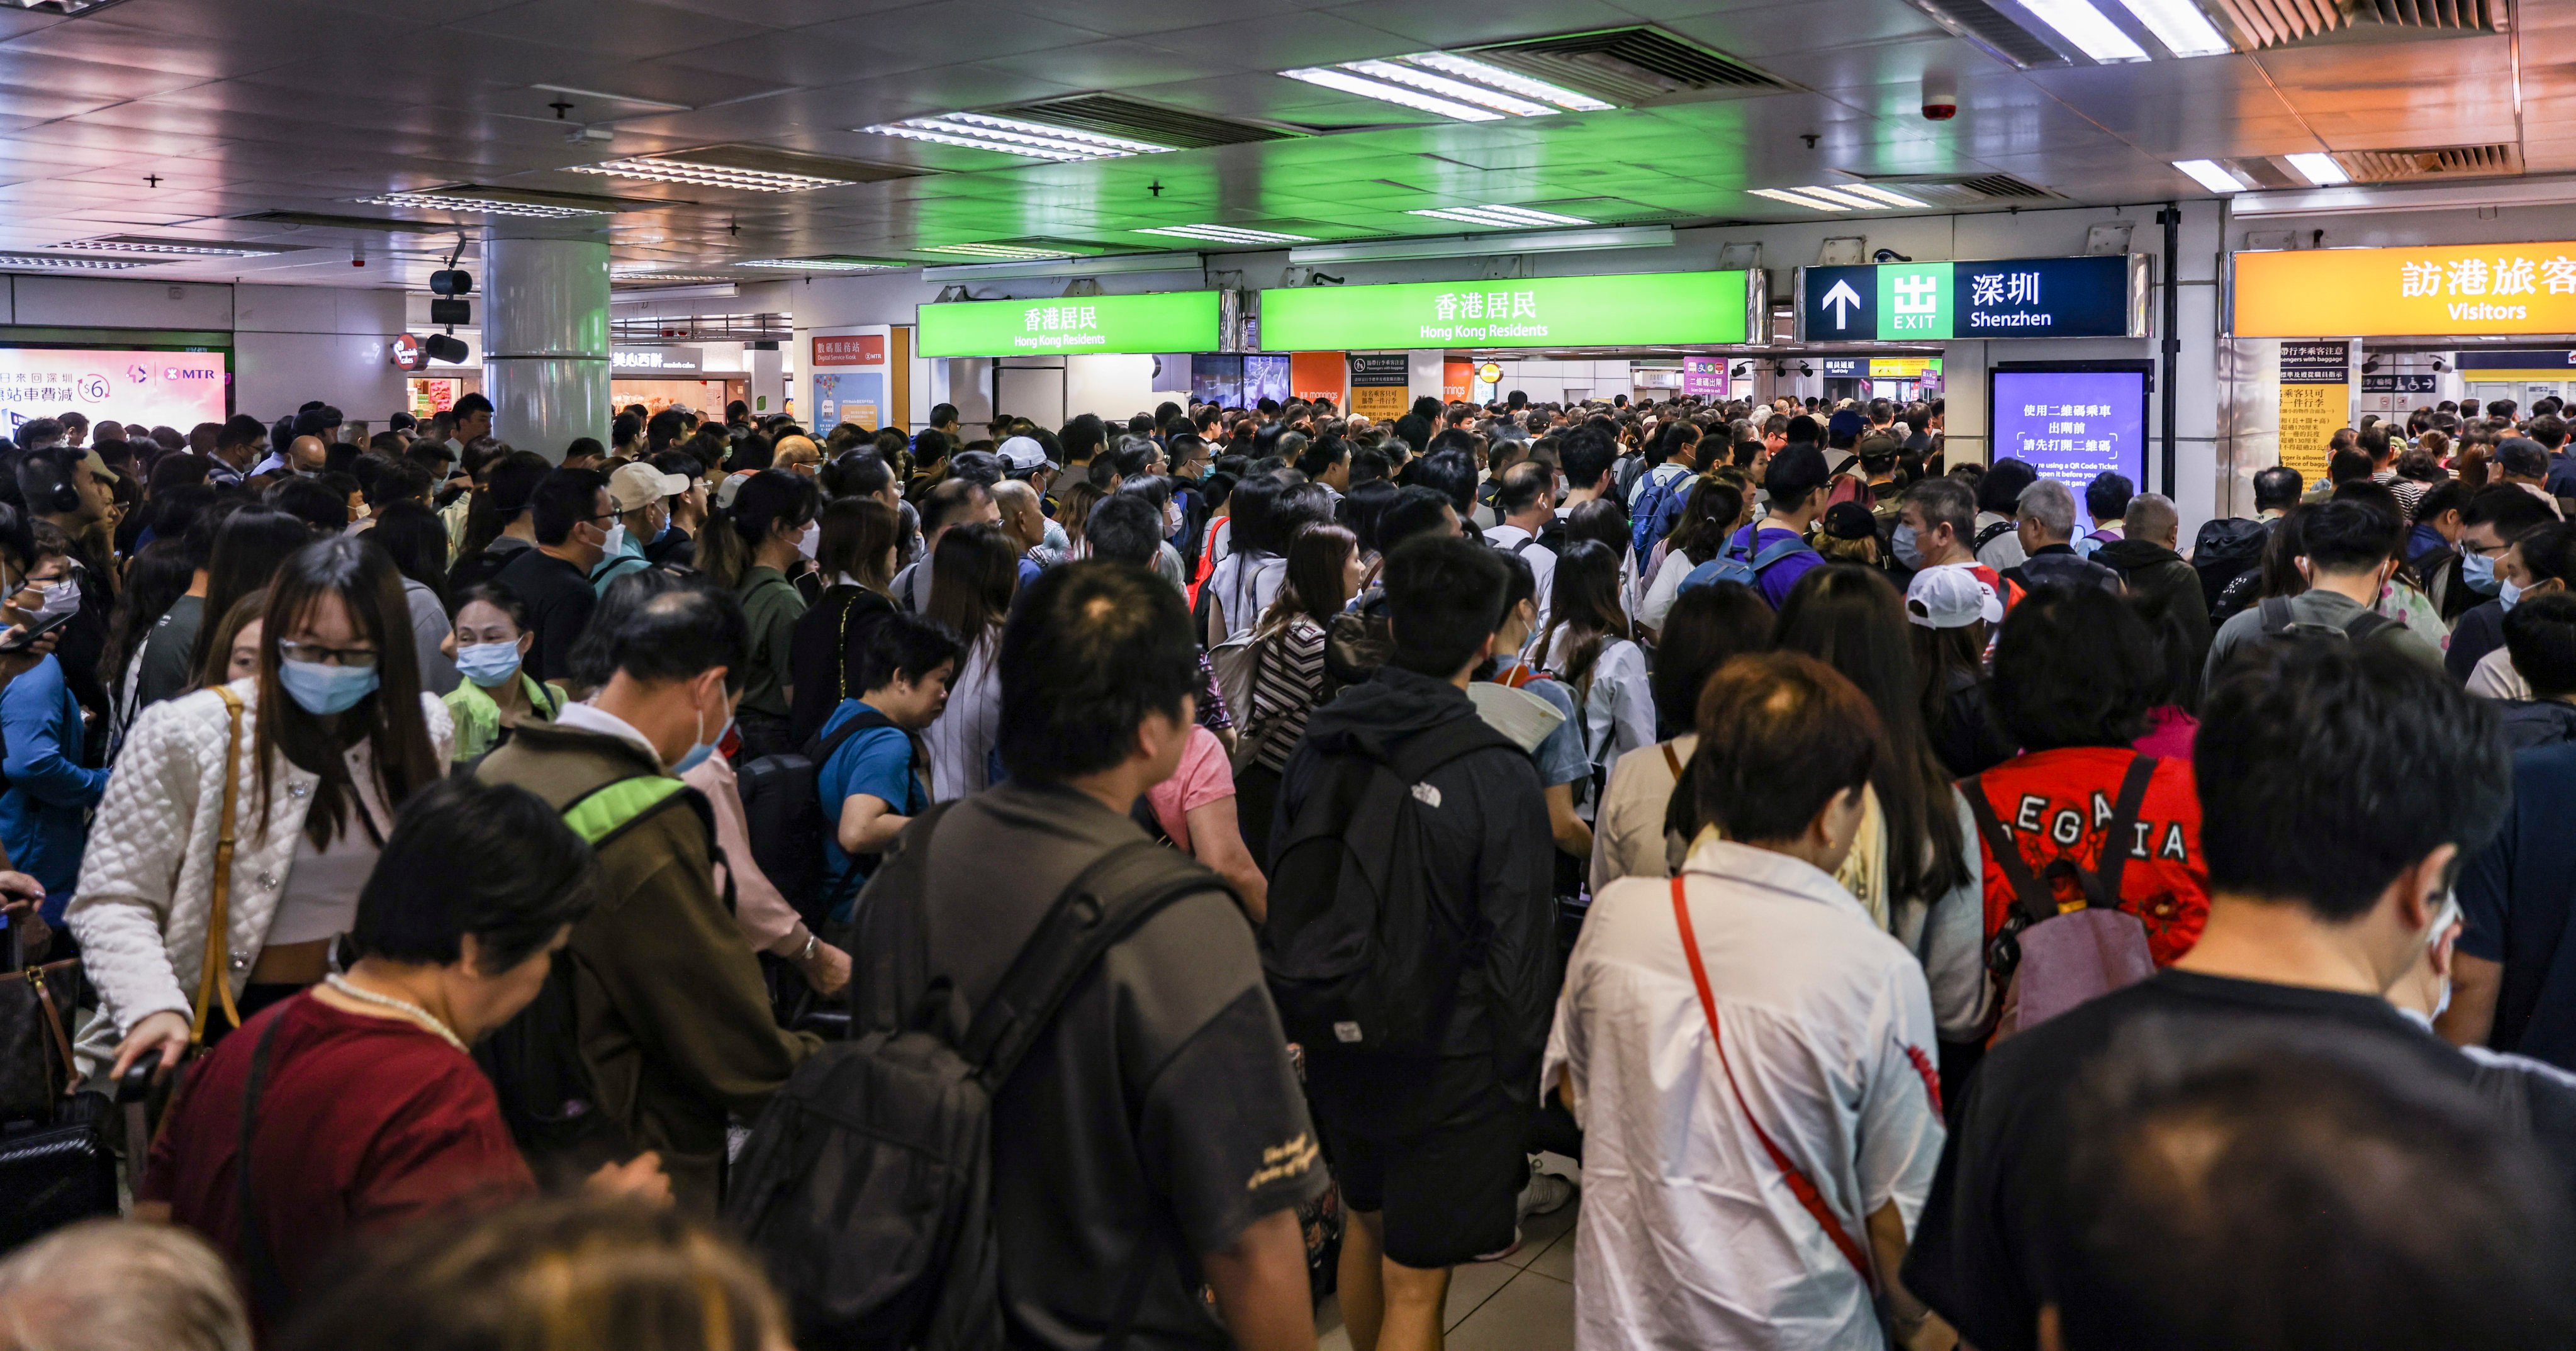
2485	550
326	656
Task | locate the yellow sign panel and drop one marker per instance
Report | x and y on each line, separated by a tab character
2310	416
2463	289
1902	368
1380	401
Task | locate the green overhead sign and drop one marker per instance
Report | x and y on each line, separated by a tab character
1177	321
1639	309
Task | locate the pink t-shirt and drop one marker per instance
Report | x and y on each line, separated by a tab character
1204	776
2170	734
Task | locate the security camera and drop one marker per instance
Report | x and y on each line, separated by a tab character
1940	96
1889	256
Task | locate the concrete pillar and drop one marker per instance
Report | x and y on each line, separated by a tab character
768	380
545	332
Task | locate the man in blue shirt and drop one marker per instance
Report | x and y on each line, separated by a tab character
1795	480
873	777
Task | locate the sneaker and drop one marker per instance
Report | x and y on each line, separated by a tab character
1546	1194
1500	1253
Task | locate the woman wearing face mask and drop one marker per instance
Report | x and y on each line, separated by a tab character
44	813
296	772
492	641
748	550
2540	562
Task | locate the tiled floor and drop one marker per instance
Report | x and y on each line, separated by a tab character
1522	1303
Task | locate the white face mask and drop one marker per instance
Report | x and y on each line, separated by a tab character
615	542
811	540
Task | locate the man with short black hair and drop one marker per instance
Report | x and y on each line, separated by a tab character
2348	552
2525	465
1430	1147
1525	502
1155	1129
2495	518
1997	542
955	502
1327	460
673	1021
2276	492
570	512
2316	741
1797	483
473	420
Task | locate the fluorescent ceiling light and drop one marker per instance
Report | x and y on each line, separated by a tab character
1510	80
1011	136
1881	194
2209	174
2180	26
2093	34
1485	246
139	246
660	278
81	264
1509	104
656	104
1799	199
706	175
1846	197
1013	251
2316	168
1508	217
1226	234
1348	83
1094	265
484	205
820	264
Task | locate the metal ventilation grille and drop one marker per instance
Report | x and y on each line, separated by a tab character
2458	161
1111	115
372	224
771	160
1632	67
1988	27
2273	23
1961	189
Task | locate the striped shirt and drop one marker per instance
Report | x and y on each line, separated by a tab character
1291	679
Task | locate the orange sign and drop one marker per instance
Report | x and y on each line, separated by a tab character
1316	375
1455	377
2371	293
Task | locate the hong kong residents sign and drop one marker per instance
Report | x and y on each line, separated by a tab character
1175	321
1638	309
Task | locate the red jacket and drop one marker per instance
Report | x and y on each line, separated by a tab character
2056	804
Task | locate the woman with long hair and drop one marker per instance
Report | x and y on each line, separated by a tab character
1636	833
304	765
1715	509
1591	647
492	639
748	550
155	578
410	532
973	574
856	561
1912	865
1289	679
249	547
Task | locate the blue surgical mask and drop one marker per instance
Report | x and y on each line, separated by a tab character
488	664
324	690
697	755
2509	593
2479	572
1906	551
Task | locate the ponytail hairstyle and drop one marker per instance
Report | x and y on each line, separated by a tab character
769	500
1584	600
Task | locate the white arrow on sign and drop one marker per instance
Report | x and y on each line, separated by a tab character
1841	300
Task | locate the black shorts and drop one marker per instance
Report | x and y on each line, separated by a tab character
1441	1161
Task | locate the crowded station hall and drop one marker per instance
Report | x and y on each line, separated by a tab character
1569	675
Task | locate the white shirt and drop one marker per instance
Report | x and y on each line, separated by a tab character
1618	703
961	741
1245	585
1511	539
2495	677
1690	1235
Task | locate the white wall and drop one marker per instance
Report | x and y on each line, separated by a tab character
1115	387
292	344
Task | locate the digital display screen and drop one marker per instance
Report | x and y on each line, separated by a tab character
2071	424
136	386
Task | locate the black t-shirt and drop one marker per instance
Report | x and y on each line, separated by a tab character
1156	1119
2515	895
2479	632
1992	1225
822	651
558	598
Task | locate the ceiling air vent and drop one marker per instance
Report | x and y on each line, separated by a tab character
2458	161
1632	67
2262	24
1988	27
1961	189
1110	115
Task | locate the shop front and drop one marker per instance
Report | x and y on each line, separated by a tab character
671	377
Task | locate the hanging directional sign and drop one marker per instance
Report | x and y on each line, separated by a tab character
2092	297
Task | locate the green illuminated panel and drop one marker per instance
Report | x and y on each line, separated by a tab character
1647	309
1178	321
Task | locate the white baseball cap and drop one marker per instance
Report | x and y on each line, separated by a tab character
1951	597
635	486
1021	454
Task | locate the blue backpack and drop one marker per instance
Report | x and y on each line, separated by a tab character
1731	564
1653	505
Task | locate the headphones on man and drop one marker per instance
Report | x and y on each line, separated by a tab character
45	480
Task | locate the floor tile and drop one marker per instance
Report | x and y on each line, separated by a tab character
1532	1313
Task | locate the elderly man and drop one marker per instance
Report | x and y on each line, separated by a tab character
2044	519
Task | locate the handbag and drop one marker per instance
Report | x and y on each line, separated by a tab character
63	1168
211	985
37	1012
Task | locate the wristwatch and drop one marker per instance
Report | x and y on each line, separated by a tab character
813	943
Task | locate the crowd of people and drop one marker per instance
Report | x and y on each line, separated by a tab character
1118	884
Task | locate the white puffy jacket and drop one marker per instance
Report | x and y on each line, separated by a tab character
146	882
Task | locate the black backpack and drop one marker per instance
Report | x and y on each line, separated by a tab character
1360	948
866	1185
1990	534
2224	551
783	814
